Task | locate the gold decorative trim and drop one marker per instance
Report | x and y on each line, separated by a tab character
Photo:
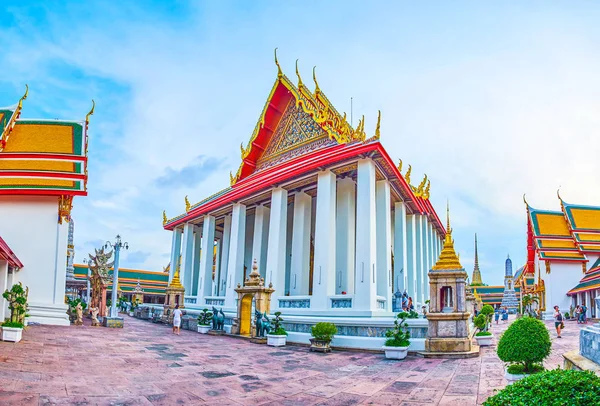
65	204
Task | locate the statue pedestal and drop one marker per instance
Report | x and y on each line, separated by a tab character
112	322
259	340
589	343
216	332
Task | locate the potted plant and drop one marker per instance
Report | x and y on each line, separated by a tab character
276	337
322	333
12	330
204	320
134	305
482	322
397	343
525	344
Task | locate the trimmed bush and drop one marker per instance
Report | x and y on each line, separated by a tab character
526	341
323	331
551	388
277	328
483	334
398	337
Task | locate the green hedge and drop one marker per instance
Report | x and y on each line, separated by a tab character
526	341
551	388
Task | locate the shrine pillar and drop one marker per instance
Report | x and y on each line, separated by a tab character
384	243
418	300
260	239
411	275
275	272
400	247
196	265
346	235
206	259
224	255
187	256
300	244
365	294
426	259
325	242
175	252
235	266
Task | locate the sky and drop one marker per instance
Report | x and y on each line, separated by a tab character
492	100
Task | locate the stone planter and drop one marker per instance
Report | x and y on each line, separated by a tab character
484	341
395	352
276	340
130	314
514	377
320	345
203	329
13	334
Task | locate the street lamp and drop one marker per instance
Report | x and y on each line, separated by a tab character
116	248
88	262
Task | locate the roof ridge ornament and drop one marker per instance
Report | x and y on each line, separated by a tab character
165	220
20	105
400	166
378	127
407	175
279	72
426	191
300	84
90	113
187	204
317	89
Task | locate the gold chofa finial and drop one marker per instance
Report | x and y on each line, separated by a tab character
24	96
421	186
407	176
87	117
300	84
165	218
525	201
279	72
187	204
231	179
377	129
317	89
426	192
400	166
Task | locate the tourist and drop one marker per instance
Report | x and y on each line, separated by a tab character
578	314
424	309
410	304
558	321
497	315
583	315
404	302
505	314
176	320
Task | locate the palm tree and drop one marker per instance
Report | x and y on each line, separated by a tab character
528	301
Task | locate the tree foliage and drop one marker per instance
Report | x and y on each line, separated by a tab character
398	336
526	341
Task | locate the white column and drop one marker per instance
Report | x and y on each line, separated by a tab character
426	258
411	275
3	287
365	297
225	254
419	260
187	257
300	265
277	244
346	235
235	266
400	246
325	242
384	242
196	265
589	303
175	252
217	267
259	242
206	258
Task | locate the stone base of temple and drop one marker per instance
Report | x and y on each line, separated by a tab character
574	360
113	322
49	314
448	345
473	353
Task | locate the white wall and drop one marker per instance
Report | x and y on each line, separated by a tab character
30	228
563	276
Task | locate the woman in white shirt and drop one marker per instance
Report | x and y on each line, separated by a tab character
176	320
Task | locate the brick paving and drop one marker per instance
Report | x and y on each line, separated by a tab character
144	364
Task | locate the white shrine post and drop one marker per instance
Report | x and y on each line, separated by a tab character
325	242
175	252
225	254
384	242
365	291
411	275
260	239
277	244
206	259
235	266
418	300
400	248
196	265
187	257
300	265
346	235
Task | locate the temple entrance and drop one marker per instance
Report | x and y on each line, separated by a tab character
246	315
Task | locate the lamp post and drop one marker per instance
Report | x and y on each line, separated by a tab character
117	249
89	275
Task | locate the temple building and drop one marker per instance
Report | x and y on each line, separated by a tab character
509	297
43	166
332	222
476	280
563	251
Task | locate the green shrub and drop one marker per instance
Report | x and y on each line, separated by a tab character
14	324
519	369
551	388
483	334
480	322
205	318
398	336
278	329
17	302
323	331
412	315
526	341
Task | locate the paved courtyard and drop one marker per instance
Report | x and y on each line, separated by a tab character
144	364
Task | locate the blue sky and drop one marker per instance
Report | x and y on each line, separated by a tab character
491	100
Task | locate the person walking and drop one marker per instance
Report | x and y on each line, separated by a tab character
410	304
497	315
578	314
583	314
558	321
176	320
505	314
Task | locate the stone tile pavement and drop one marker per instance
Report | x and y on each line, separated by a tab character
144	364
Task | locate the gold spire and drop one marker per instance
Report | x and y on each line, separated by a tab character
300	84
165	220
175	282
448	258
279	72
187	204
317	89
476	280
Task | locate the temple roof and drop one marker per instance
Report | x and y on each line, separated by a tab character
45	157
9	256
448	259
299	131
591	280
150	281
553	236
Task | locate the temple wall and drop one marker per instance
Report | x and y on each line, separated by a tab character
30	227
562	278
